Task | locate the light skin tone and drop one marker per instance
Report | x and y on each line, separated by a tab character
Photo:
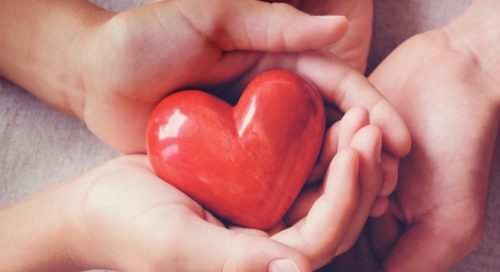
354	46
98	80
451	105
100	71
148	225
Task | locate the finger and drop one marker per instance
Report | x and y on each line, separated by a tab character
379	207
390	169
338	137
330	215
329	149
302	205
351	123
345	88
368	143
228	250
341	85
384	232
259	26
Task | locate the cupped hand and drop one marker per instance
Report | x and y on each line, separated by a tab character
159	48
446	95
139	56
354	46
126	218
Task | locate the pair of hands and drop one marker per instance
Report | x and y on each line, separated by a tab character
129	219
434	190
208	41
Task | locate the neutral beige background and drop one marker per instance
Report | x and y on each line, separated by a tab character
40	146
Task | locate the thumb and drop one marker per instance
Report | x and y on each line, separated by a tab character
260	26
208	247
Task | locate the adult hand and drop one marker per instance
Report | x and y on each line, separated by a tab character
218	48
445	85
354	46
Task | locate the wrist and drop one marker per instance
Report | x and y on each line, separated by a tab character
40	44
476	33
34	233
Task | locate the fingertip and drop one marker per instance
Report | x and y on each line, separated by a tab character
358	113
352	121
257	253
369	139
337	24
379	207
390	168
282	265
397	138
344	171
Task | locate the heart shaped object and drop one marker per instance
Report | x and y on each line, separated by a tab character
246	163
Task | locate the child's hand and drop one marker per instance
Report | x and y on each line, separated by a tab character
353	132
131	220
126	218
122	216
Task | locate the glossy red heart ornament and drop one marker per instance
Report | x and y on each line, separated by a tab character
246	163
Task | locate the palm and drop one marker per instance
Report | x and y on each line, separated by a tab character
124	207
139	84
443	182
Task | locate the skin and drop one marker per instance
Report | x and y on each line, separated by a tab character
99	71
148	225
218	53
443	182
354	46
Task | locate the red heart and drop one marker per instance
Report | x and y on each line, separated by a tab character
246	163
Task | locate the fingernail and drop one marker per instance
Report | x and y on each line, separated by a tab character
283	265
331	18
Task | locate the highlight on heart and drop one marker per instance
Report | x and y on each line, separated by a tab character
245	163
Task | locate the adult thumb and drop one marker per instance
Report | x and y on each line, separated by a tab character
260	26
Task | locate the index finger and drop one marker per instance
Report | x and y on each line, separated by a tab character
346	88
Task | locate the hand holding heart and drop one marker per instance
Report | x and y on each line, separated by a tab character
211	51
213	43
120	66
162	227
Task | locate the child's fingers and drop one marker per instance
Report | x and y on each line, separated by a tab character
330	143
338	137
258	26
345	88
367	142
385	230
302	205
342	86
228	250
330	216
379	207
390	167
355	119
